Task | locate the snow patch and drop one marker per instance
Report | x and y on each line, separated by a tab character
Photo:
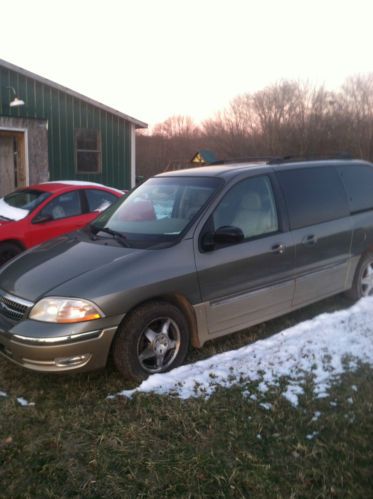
311	436
266	405
292	393
82	183
23	402
316	416
322	348
11	212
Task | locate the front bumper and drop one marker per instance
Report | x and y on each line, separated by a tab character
47	347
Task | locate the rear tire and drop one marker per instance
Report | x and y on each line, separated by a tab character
154	338
363	280
8	251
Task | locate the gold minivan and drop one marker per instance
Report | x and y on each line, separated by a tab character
187	257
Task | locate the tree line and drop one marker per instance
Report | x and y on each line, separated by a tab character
286	118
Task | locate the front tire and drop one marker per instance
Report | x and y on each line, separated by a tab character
154	338
363	280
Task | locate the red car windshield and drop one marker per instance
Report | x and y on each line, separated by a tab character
26	199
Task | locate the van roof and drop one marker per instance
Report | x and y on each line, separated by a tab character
232	169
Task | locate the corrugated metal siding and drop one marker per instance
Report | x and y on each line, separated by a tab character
65	114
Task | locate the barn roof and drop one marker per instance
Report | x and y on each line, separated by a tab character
57	86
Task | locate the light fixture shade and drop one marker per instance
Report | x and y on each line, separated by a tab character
16	102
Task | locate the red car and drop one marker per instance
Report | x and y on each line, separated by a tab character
31	215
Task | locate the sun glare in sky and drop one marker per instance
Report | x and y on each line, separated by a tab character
157	58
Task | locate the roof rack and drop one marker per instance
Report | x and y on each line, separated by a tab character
310	157
277	160
246	159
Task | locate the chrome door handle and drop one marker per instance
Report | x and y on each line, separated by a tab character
278	248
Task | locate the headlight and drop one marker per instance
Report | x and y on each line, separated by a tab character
65	310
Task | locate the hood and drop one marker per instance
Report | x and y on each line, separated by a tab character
11	212
43	268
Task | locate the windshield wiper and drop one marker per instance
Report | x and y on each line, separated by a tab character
6	218
118	236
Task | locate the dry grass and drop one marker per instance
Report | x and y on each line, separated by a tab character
76	443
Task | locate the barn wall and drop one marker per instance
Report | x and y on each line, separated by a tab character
64	114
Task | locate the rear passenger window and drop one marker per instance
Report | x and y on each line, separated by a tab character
99	200
313	195
358	182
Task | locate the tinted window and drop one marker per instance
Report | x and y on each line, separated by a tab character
313	195
99	200
250	206
358	182
65	205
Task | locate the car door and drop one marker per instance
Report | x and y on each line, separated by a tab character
245	283
320	221
60	215
95	202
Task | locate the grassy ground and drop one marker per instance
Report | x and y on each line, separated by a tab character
75	443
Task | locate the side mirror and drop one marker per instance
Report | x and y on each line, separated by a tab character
224	235
40	219
227	234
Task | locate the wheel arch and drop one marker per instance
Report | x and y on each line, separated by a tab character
16	242
184	305
353	292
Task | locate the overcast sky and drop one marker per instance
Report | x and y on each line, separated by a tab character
155	58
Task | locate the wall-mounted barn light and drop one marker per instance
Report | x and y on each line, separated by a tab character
16	101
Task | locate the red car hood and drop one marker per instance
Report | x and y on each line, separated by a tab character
4	222
11	212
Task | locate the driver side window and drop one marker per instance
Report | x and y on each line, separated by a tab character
249	206
63	206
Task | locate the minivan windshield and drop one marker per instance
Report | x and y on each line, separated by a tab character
158	211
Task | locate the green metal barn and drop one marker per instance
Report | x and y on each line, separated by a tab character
49	132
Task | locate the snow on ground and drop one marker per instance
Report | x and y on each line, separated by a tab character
323	347
22	401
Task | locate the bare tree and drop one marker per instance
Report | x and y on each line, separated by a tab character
176	126
357	99
171	145
284	118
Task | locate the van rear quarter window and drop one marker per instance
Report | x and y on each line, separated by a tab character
313	195
358	182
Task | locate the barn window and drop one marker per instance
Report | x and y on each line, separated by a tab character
88	150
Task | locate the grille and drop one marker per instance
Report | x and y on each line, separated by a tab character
12	309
